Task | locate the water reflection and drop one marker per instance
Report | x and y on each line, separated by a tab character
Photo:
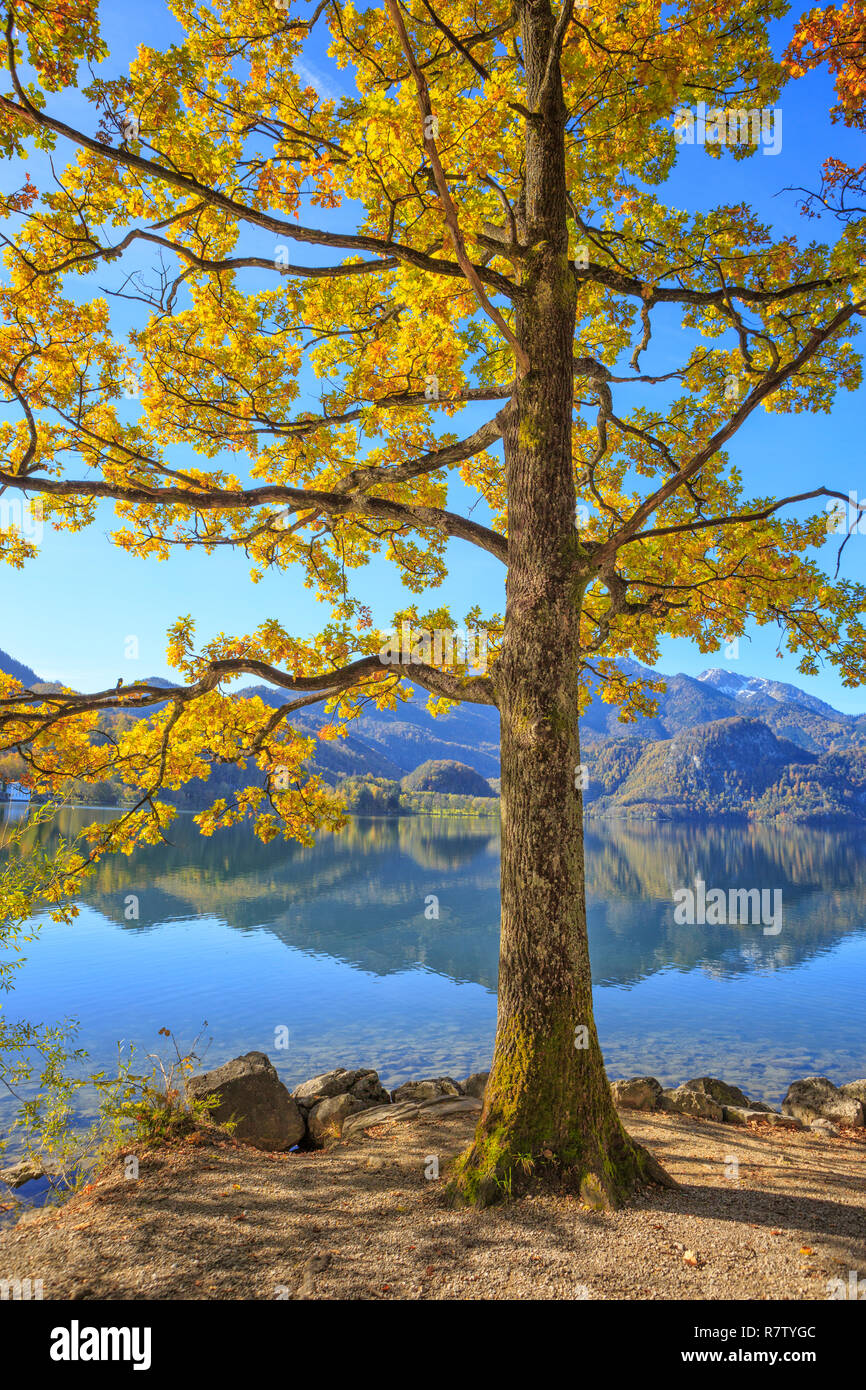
336	938
358	896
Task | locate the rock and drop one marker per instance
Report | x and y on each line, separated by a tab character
719	1091
781	1121
450	1105
410	1110
362	1083
816	1098
26	1170
325	1120
687	1102
368	1089
250	1091
330	1083
379	1114
640	1093
824	1127
429	1089
475	1085
763	1107
741	1114
855	1090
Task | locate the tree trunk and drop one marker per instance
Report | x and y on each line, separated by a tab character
548	1106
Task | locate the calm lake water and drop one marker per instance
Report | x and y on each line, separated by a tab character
332	943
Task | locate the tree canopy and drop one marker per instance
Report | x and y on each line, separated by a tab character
321	287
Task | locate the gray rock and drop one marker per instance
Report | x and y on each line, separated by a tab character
450	1105
378	1115
361	1083
410	1110
741	1115
250	1091
368	1089
816	1098
719	1091
855	1090
782	1121
687	1102
640	1093
429	1089
824	1127
26	1170
330	1083
325	1120
475	1085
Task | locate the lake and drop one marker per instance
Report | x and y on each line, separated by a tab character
332	944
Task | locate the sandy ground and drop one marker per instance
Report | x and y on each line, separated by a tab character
219	1220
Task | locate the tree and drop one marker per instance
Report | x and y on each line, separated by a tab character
500	165
836	38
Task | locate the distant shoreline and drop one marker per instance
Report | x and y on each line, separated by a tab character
811	821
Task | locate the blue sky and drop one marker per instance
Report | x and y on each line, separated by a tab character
70	612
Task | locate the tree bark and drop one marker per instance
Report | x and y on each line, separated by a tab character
548	1106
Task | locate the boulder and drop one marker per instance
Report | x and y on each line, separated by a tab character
325	1120
824	1127
27	1170
782	1121
475	1085
250	1092
410	1110
855	1090
816	1098
741	1114
363	1084
687	1102
719	1091
368	1089
640	1093
329	1083
449	1105
378	1115
429	1089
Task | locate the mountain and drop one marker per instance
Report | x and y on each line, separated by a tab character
444	775
10	667
791	713
391	743
730	768
25	674
746	688
721	744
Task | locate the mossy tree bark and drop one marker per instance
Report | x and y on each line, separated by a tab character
548	1105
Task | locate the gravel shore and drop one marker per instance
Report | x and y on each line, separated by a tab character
218	1220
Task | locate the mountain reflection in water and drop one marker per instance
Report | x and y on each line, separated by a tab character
333	942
